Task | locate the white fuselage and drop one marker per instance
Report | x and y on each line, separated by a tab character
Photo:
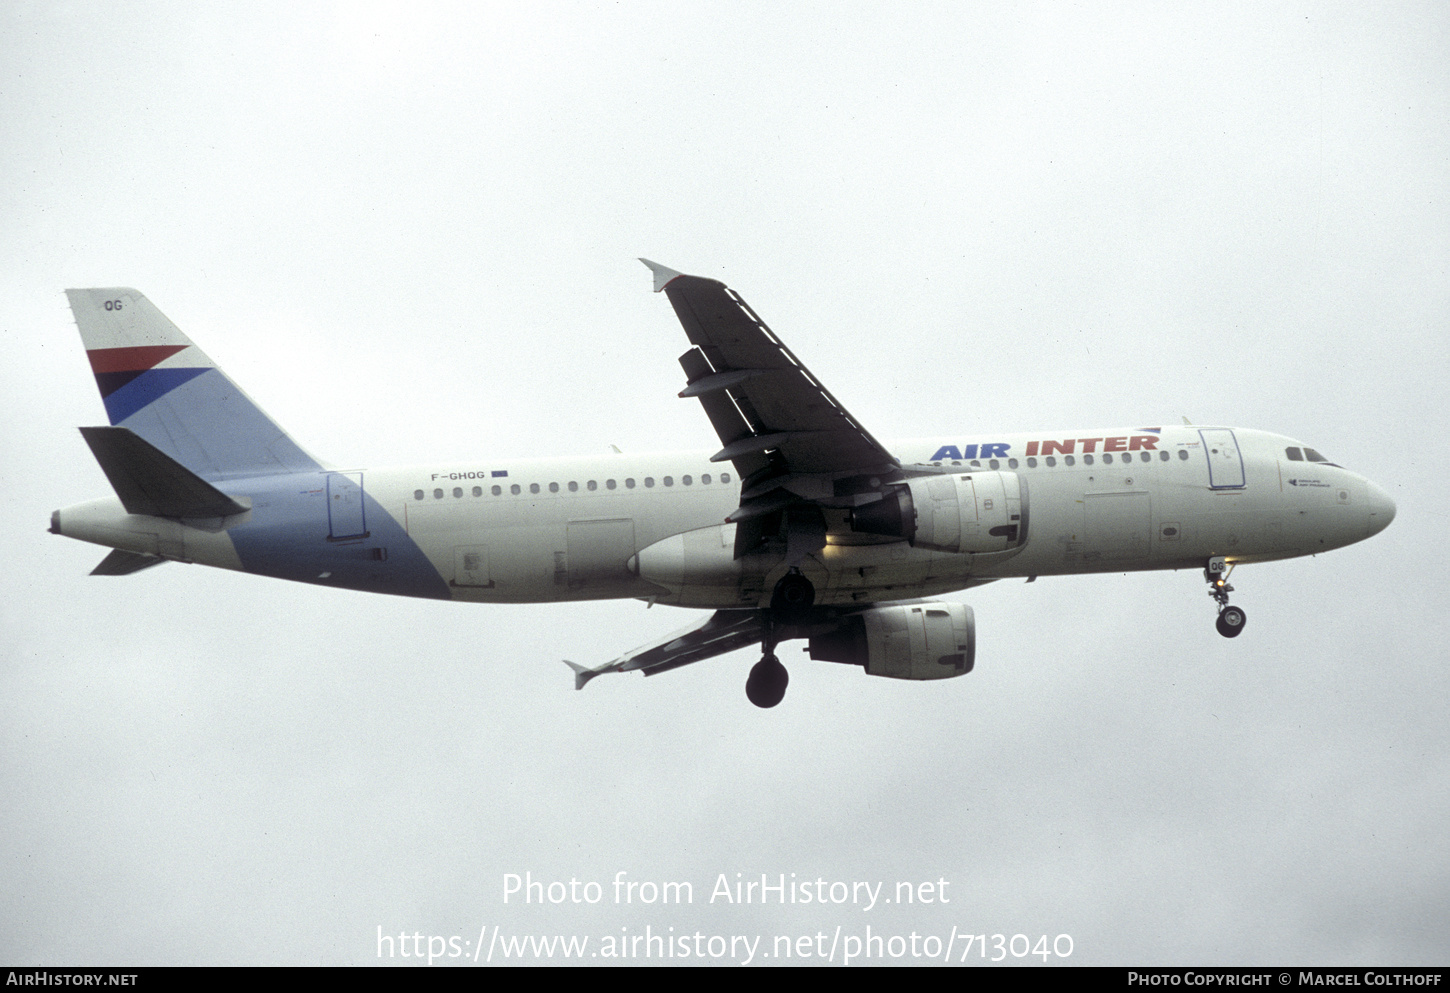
651	526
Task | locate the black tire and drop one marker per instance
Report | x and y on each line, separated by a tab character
767	682
1231	622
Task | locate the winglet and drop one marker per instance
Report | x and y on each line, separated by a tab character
583	675
663	274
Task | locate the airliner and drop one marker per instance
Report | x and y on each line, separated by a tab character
800	526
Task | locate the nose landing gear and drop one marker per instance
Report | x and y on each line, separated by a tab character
1231	620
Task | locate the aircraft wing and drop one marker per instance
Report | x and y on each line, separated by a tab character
768	409
723	631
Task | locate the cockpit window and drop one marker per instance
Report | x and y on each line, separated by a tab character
1307	455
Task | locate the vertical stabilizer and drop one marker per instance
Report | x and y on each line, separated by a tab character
155	382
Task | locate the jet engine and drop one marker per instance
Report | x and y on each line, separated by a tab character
906	641
960	512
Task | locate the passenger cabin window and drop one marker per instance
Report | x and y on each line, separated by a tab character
593	486
705	479
1183	455
629	483
669	480
437	494
649	481
724	477
573	487
1107	460
417	494
686	480
515	489
533	487
478	491
609	484
553	487
457	492
497	491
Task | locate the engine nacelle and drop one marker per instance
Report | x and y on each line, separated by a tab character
960	512
909	641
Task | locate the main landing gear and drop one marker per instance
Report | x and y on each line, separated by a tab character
1231	620
768	679
790	603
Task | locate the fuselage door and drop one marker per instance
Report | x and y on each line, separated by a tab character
1225	464
345	516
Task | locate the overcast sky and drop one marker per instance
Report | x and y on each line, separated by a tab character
410	232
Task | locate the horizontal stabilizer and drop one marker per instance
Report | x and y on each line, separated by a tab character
123	563
150	482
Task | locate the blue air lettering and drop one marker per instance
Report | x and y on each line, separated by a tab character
1068	446
990	450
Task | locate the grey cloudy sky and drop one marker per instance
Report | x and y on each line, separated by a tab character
410	233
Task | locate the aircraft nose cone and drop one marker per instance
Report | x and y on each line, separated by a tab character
1381	509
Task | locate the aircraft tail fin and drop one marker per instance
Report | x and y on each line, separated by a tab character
157	383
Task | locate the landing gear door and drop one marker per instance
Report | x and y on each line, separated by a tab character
1225	464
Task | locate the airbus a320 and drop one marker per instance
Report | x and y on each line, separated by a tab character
800	526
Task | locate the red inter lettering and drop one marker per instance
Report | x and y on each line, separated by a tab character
1090	444
1032	448
1115	445
1060	447
1143	442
